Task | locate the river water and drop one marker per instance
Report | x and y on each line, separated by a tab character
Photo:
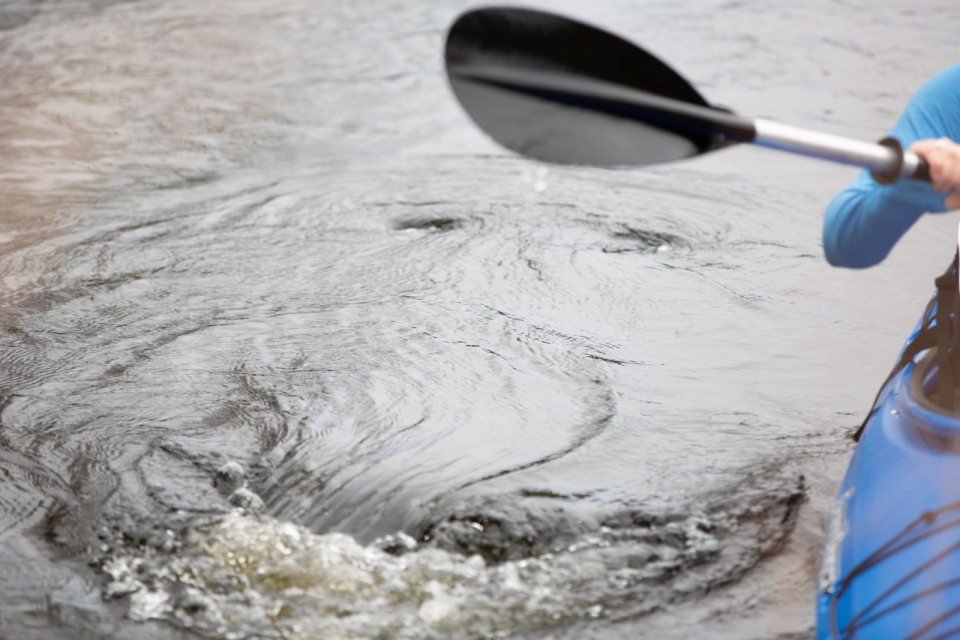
289	349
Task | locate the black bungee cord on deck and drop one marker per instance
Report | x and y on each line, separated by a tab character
897	544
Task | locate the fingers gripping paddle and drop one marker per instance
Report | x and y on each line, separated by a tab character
562	91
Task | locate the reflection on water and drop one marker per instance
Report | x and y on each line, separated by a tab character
253	257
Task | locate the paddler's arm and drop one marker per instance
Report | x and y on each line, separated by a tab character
864	222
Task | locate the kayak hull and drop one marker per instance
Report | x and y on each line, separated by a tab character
891	560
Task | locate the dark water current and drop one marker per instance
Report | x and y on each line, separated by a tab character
288	349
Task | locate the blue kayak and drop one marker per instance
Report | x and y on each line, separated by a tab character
891	560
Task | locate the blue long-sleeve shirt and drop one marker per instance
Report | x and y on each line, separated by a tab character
864	222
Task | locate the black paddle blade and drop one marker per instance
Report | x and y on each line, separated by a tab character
562	91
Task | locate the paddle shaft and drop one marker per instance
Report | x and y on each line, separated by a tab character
886	160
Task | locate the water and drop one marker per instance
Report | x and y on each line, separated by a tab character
289	349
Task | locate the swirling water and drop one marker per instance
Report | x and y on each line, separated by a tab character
289	349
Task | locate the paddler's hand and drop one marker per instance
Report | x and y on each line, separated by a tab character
943	156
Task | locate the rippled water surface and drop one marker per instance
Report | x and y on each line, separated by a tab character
288	349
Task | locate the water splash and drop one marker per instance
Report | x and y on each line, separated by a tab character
240	575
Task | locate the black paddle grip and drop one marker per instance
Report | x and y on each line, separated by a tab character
921	172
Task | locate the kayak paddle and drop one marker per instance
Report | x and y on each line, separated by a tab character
561	91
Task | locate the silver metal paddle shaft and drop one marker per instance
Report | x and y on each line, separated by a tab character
877	158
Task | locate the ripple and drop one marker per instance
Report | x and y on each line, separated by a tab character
242	235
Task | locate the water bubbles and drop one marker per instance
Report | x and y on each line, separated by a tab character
396	544
246	499
122	573
230	477
536	178
510	575
149	605
231	481
440	610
